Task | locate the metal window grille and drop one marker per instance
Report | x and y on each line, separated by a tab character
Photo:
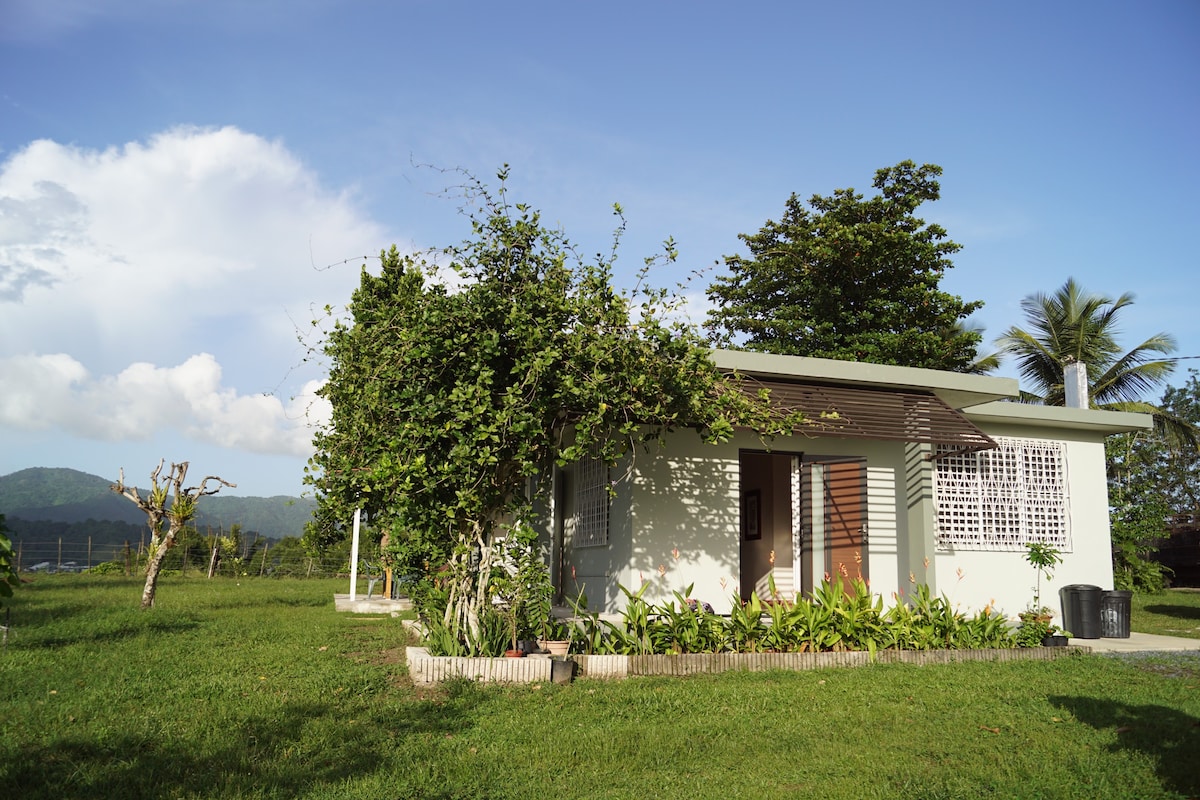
591	503
1003	499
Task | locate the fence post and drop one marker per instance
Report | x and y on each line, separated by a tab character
263	566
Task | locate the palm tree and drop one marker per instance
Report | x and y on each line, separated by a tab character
1073	325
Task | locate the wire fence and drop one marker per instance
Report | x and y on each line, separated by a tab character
259	558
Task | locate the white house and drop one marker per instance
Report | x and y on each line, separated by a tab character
906	476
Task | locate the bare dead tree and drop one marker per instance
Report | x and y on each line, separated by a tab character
170	502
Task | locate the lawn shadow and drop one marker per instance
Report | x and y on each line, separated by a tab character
1169	736
224	603
292	752
64	625
1178	612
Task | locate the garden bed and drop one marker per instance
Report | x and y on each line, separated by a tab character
427	669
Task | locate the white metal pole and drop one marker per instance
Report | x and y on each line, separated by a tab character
354	557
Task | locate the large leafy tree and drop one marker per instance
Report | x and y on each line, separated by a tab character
449	404
1156	468
1074	325
850	278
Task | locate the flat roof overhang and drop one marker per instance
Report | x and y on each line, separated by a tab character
957	390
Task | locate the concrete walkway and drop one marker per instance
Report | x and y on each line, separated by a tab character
371	605
1138	643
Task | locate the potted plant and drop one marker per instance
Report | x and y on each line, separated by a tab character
555	637
1036	628
510	611
523	588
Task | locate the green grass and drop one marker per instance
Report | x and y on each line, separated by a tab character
262	690
1175	612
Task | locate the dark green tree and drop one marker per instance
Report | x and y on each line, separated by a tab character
1178	469
1138	509
9	579
448	405
1152	477
850	278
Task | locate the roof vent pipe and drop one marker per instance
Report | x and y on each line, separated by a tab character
1075	385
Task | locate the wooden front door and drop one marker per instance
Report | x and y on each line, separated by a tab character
846	520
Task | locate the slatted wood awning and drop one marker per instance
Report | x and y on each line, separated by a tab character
877	414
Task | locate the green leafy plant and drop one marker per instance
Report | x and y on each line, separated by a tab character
1032	630
1043	558
684	626
836	616
745	628
633	634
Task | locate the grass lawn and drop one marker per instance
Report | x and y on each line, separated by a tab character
1175	612
260	689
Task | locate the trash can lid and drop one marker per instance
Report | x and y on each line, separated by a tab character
1083	587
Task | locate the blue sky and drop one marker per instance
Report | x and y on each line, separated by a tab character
181	182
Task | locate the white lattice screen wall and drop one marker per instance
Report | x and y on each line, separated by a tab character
1004	498
591	503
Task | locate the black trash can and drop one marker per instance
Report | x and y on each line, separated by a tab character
1081	610
1115	608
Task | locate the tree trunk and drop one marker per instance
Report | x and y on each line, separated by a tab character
469	588
152	568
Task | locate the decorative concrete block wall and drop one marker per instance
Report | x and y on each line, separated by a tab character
427	669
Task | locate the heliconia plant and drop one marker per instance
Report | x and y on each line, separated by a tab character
836	616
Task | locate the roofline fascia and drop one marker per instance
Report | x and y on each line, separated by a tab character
956	389
1085	419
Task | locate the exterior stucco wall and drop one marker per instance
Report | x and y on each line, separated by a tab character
675	522
685	512
1004	579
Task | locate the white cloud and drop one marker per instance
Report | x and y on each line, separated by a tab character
203	249
149	248
142	401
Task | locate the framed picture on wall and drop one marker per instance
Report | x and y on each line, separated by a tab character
751	514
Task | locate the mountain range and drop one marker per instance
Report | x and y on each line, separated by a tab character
59	495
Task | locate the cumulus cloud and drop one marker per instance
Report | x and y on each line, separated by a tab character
202	249
57	392
147	247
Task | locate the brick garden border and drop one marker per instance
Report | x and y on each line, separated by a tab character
427	669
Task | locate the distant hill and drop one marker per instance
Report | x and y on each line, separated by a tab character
70	496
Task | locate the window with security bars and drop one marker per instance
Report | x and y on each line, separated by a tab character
591	503
1003	499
